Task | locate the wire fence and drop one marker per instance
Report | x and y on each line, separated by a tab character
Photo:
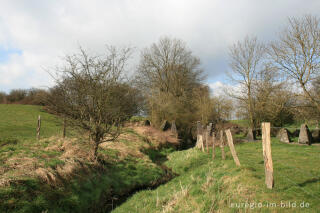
266	141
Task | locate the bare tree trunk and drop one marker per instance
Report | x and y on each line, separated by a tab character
96	146
308	95
250	108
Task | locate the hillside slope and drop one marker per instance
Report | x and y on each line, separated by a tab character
61	175
20	122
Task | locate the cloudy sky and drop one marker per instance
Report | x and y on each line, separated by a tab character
35	34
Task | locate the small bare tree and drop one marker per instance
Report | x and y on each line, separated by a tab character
297	53
92	93
246	61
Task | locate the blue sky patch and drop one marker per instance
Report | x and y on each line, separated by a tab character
6	52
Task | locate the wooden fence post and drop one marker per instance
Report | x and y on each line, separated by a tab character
208	137
39	127
199	135
266	147
232	149
201	142
213	145
64	127
223	154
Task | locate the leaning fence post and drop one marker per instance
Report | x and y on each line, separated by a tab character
223	154
213	145
266	147
232	149
39	127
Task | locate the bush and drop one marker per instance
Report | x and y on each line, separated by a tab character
16	95
31	96
3	97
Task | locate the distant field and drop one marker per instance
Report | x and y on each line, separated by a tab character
293	126
20	122
243	123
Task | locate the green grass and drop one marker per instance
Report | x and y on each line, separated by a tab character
83	193
204	185
20	122
137	118
87	190
242	123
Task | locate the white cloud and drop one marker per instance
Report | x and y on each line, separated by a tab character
47	30
219	88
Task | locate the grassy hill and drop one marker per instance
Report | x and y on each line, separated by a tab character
206	185
61	175
20	122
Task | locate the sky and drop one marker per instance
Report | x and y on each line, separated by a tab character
36	34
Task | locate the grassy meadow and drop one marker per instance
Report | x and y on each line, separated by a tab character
206	185
20	122
59	175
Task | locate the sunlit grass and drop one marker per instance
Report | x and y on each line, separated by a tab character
204	185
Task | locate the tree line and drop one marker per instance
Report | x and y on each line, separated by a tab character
276	82
33	96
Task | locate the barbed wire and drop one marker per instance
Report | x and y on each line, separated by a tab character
288	128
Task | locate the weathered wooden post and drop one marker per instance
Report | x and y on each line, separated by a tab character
208	137
266	147
64	127
39	127
223	154
199	143
232	149
202	142
213	145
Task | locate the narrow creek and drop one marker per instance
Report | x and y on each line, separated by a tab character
117	200
157	158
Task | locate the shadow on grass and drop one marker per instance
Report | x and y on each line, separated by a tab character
133	175
8	141
156	156
313	180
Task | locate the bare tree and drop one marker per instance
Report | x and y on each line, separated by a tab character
169	66
273	98
168	72
92	93
297	53
204	104
246	61
222	107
